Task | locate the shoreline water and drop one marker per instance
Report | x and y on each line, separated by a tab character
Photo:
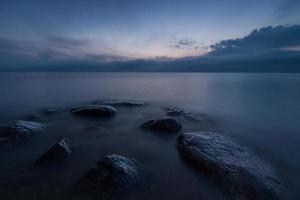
240	106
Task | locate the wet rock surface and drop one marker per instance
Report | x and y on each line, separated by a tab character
19	128
58	152
164	124
94	111
114	173
193	116
125	103
240	173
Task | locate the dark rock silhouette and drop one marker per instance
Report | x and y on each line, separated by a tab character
94	111
112	176
19	128
58	152
242	174
125	103
164	124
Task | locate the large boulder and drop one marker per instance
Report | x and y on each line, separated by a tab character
242	174
94	111
114	173
57	152
125	103
19	128
164	124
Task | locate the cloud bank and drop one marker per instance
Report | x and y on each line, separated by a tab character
16	54
263	41
267	49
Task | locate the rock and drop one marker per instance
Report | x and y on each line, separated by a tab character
19	128
164	124
174	111
49	111
239	172
114	172
59	151
193	116
94	111
127	103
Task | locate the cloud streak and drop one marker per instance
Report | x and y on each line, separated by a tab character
184	43
68	43
53	50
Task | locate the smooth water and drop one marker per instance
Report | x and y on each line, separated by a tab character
260	111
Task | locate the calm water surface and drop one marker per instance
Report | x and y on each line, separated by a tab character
260	111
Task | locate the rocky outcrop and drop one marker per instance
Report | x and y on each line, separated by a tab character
58	152
164	124
19	128
239	172
125	103
94	111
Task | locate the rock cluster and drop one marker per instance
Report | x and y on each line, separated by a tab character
238	171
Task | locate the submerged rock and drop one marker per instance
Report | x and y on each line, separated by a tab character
164	124
19	128
194	116
241	173
94	111
49	111
127	103
114	172
59	151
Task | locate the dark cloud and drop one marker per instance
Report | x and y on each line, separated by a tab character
269	49
184	43
262	41
105	58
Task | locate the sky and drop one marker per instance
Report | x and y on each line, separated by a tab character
41	31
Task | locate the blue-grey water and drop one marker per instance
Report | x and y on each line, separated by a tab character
260	111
